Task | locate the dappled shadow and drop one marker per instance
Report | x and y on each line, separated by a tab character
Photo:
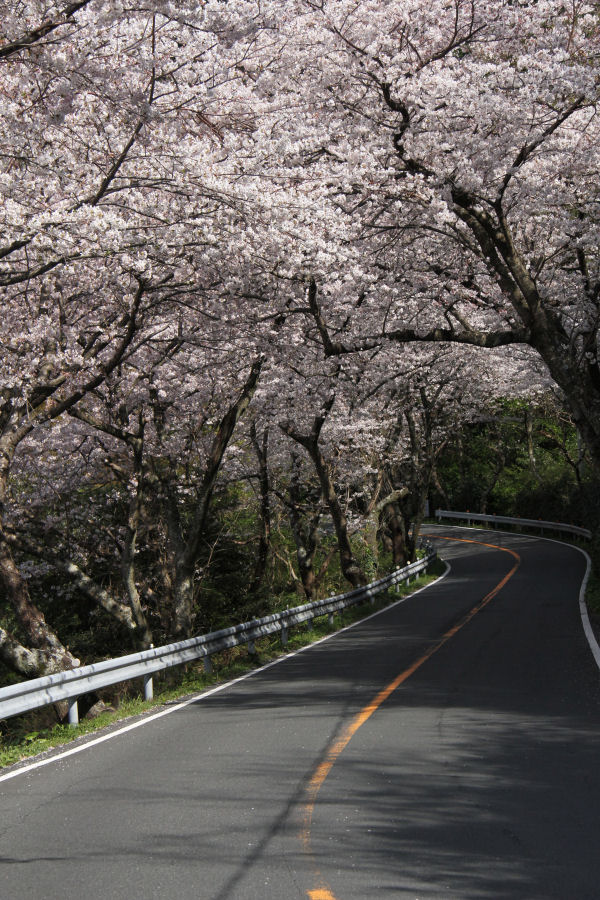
477	778
463	802
428	800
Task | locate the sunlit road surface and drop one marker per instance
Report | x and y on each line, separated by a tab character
446	748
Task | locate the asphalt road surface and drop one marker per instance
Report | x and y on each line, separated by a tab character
448	747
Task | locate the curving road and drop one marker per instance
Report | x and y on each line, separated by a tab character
445	748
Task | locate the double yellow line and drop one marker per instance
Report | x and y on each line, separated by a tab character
323	891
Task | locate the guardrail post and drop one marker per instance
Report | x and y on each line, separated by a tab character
148	687
208	666
251	648
149	684
310	624
284	634
73	712
331	618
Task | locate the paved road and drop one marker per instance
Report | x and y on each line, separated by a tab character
473	775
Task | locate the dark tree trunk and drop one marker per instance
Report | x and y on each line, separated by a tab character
46	653
188	549
261	449
351	570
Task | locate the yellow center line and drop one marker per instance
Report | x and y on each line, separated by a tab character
323	891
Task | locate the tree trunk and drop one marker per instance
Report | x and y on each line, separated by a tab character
261	450
30	663
188	550
351	570
398	539
47	654
304	534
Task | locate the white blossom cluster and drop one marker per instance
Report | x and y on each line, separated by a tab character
382	204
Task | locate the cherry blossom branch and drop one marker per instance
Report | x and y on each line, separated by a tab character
528	149
472	337
30	38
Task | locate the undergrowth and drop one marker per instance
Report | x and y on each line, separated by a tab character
20	743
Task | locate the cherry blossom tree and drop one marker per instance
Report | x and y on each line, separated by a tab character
288	203
45	391
462	140
99	212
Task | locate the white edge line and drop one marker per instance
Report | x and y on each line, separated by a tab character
29	767
585	619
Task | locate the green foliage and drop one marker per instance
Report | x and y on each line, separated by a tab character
593	589
366	557
593	595
18	741
497	464
493	466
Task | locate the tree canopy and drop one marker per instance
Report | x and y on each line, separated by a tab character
294	244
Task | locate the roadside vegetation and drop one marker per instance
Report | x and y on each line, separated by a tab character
517	458
30	735
265	551
524	459
265	298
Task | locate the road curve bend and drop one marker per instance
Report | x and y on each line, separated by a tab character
445	748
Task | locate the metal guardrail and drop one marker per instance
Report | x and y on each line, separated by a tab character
73	683
560	527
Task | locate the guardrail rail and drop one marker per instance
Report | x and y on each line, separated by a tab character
73	683
559	527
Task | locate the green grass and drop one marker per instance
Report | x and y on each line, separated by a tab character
192	679
592	594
